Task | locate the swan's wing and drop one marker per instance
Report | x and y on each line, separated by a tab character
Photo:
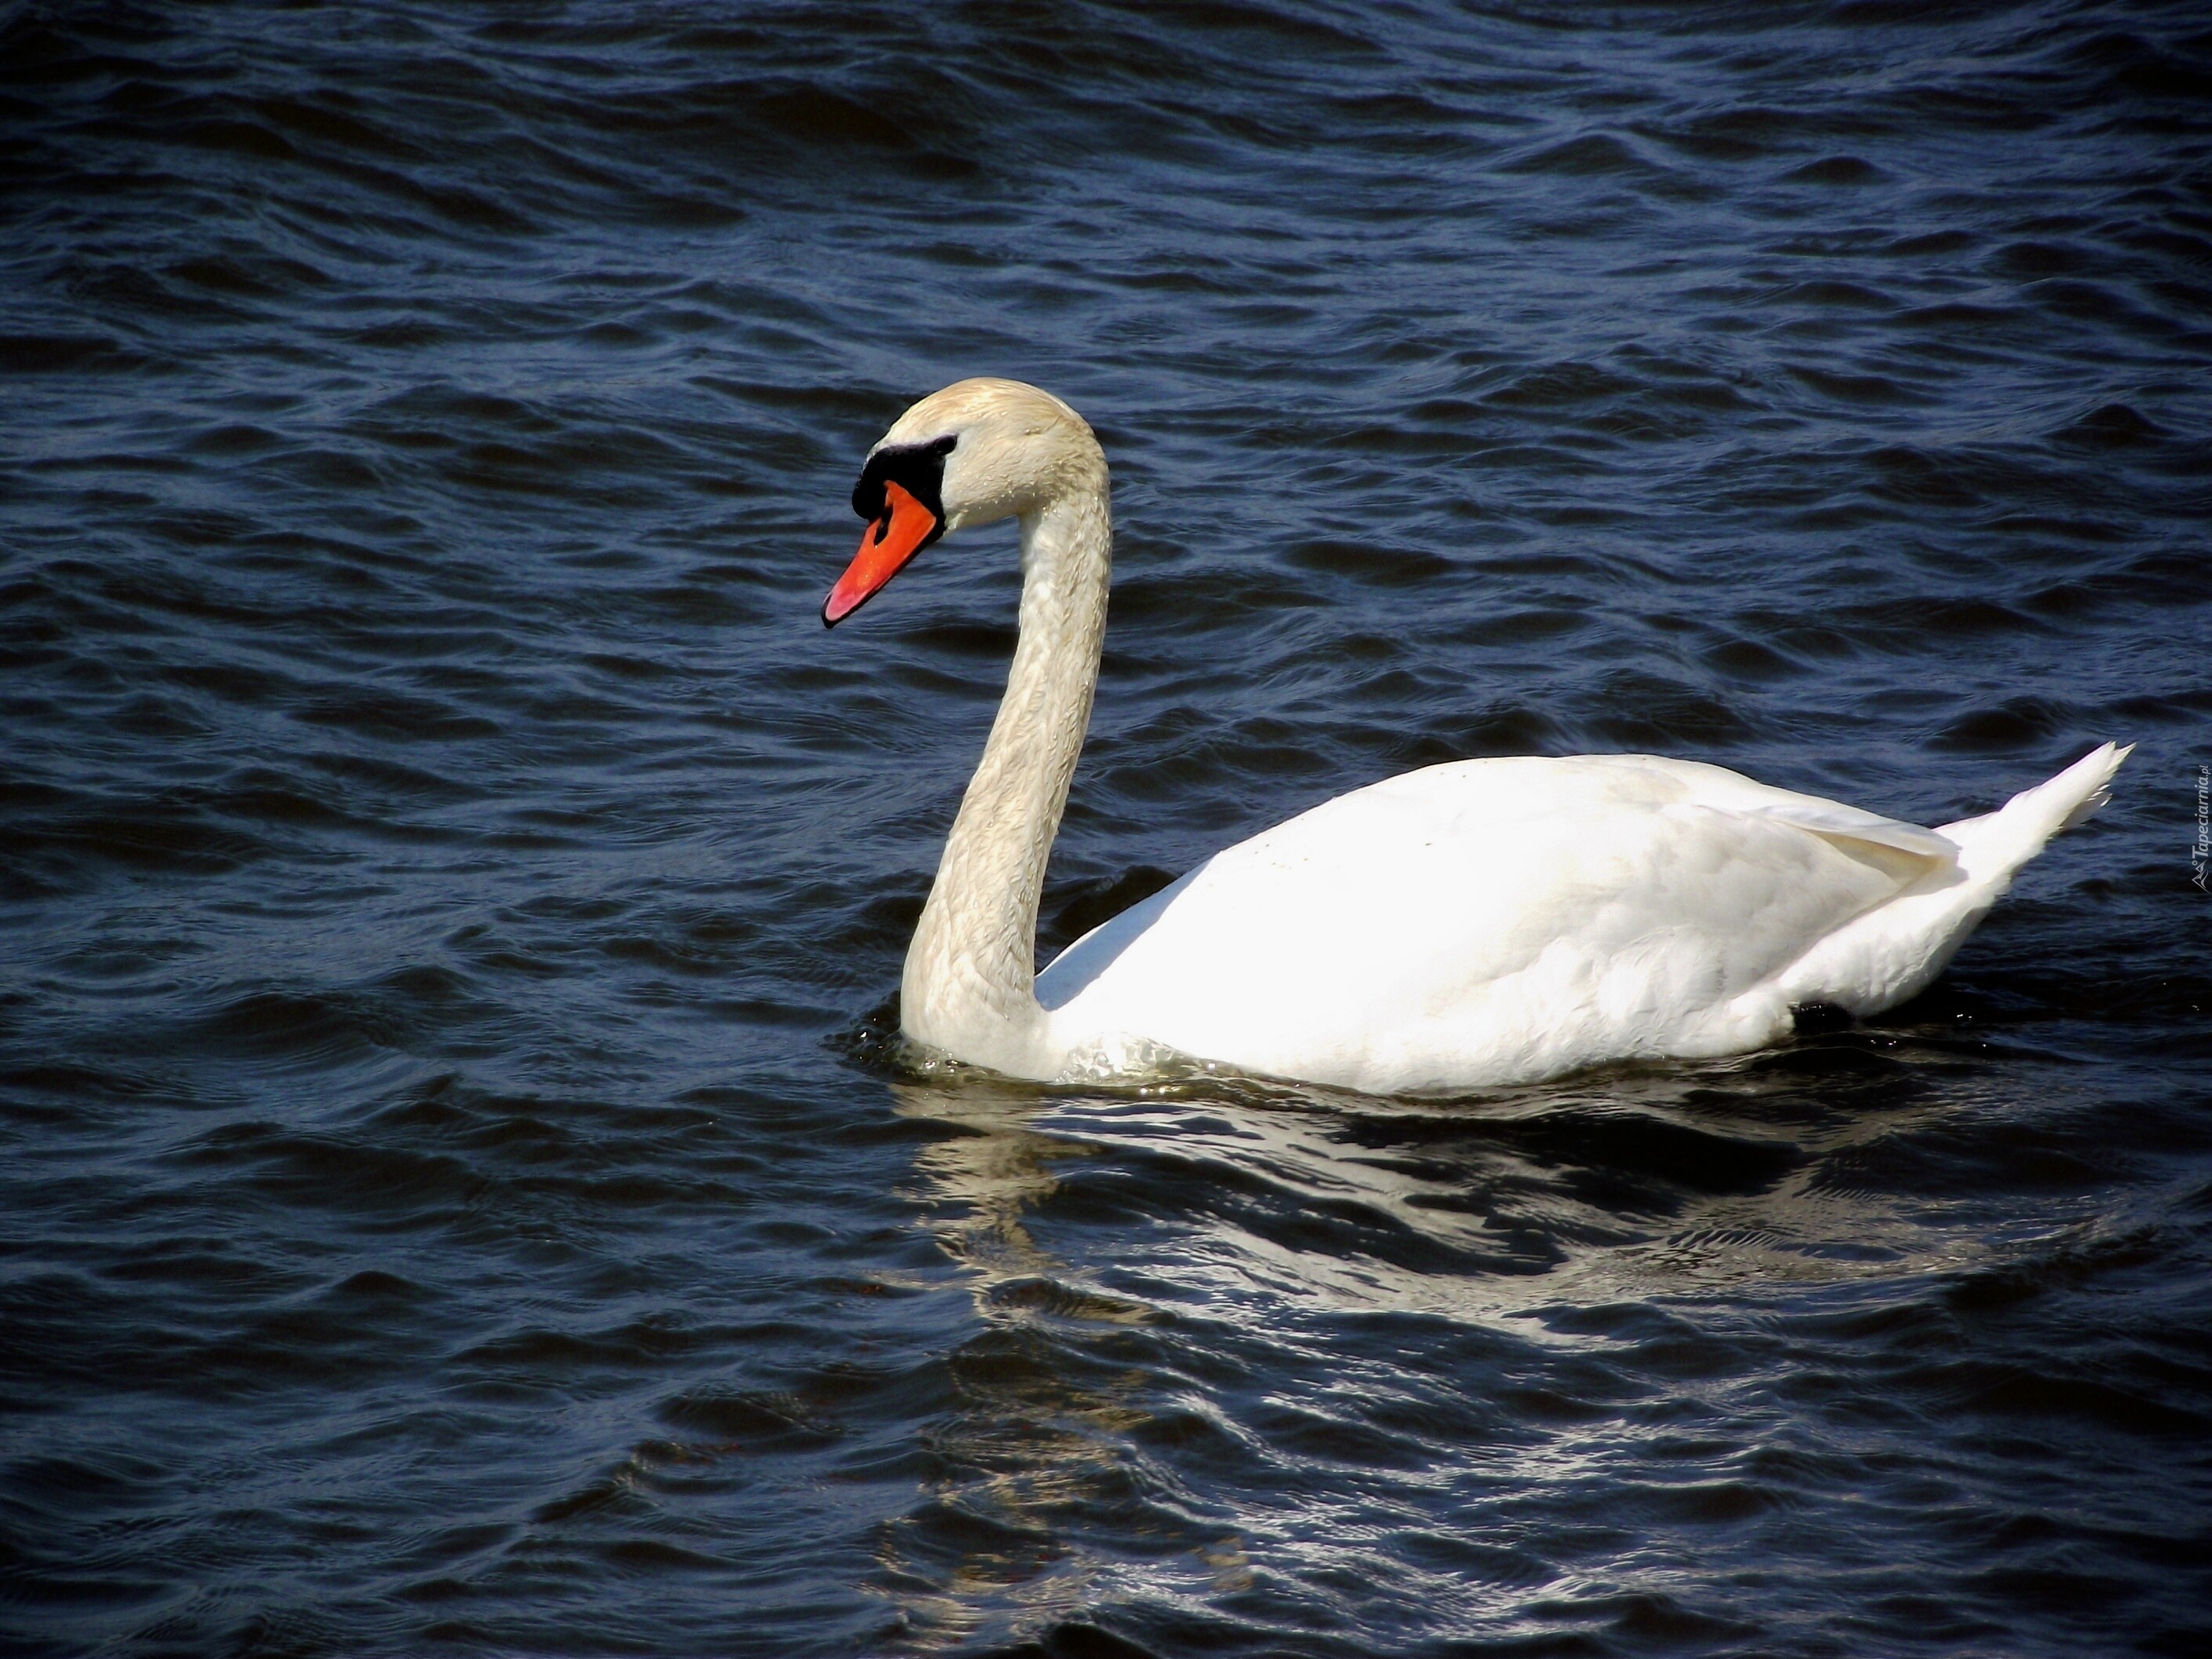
1490	920
1826	817
1074	968
1719	788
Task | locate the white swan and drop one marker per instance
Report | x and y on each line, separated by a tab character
1484	922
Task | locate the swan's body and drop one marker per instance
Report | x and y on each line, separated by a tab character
1484	922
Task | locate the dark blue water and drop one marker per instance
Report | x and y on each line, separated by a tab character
460	1192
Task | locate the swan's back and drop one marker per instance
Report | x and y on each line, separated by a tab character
1491	920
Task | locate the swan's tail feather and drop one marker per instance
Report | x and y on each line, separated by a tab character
1992	846
2101	796
1893	951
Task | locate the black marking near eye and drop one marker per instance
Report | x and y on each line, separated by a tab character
918	469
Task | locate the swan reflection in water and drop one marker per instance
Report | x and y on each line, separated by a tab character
1164	1277
1037	1440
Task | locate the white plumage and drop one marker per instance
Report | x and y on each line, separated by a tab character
1502	920
1484	922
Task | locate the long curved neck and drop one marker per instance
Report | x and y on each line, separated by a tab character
971	983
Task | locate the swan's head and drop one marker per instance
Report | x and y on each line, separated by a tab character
977	452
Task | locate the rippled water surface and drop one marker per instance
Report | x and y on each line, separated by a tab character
460	1192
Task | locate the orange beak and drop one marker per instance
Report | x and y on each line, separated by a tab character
885	545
